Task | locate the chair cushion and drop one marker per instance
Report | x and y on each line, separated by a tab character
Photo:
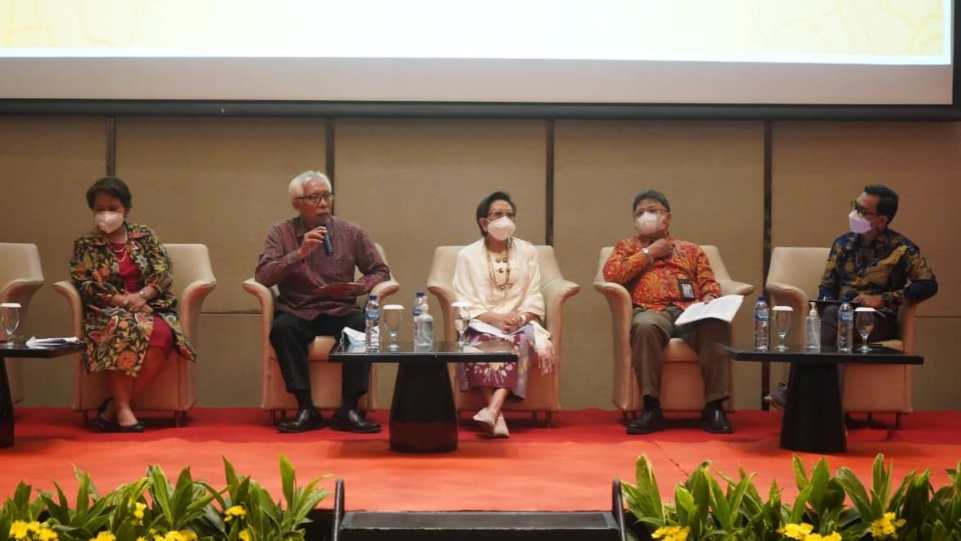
320	350
678	351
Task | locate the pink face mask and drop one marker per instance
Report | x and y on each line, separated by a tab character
108	221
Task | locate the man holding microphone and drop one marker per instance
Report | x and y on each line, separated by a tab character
311	259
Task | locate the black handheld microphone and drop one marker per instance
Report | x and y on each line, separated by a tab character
328	246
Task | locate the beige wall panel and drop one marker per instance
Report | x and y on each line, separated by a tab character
415	184
820	167
46	164
229	360
217	181
712	173
935	385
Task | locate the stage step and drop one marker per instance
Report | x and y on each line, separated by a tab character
503	526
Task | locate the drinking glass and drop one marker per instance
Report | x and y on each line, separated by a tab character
864	323
392	317
461	320
782	323
9	320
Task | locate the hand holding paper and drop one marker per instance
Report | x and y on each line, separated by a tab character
723	308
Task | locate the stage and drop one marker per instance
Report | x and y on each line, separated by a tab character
568	467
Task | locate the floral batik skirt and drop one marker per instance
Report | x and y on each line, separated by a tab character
511	376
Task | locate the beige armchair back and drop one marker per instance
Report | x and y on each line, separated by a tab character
20	277
173	390
325	377
543	391
682	385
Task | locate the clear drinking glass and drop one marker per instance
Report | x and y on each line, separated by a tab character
782	324
392	317
461	320
9	320
864	323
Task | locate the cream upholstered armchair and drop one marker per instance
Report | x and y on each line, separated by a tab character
20	277
325	377
543	391
793	280
682	385
173	390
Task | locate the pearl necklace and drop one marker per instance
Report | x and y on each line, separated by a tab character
505	271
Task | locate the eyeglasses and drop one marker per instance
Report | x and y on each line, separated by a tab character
653	210
316	198
862	211
497	215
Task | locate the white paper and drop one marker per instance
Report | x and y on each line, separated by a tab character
487	328
355	339
723	308
35	342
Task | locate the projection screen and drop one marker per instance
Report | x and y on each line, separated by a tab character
821	52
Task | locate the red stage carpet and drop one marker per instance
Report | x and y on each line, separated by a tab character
565	468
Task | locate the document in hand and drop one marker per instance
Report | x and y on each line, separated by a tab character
723	308
487	328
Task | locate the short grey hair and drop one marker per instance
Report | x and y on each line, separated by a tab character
296	187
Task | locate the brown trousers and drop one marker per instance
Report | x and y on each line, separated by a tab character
650	332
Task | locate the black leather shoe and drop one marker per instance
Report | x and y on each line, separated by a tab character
102	424
136	427
306	419
351	421
777	397
651	420
715	420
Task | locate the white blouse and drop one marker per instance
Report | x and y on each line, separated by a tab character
474	285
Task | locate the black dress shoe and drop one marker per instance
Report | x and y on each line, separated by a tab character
306	419
102	424
651	420
136	427
351	421
715	420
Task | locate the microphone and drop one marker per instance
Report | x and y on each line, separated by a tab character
328	246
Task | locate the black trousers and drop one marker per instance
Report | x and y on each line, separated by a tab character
291	336
885	328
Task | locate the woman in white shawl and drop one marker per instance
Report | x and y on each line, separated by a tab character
498	278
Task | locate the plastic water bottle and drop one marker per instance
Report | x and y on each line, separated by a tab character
372	324
845	328
423	321
762	325
812	330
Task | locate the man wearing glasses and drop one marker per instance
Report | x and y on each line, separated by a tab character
871	265
664	276
311	259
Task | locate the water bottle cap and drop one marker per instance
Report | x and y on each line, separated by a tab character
420	294
372	297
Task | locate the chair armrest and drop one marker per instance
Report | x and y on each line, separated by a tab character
788	295
622	307
66	289
385	289
266	299
191	302
906	322
445	297
20	290
556	292
733	287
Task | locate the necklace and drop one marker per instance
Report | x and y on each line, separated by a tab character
120	249
502	268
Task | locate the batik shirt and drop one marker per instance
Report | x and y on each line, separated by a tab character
890	266
657	285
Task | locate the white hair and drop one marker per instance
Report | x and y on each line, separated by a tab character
296	187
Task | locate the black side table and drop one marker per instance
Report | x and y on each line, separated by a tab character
6	402
813	418
423	418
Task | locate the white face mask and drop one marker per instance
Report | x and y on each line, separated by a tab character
648	223
108	221
501	228
858	223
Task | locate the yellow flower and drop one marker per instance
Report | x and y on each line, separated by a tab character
833	536
46	534
104	536
18	530
244	535
886	526
796	531
235	511
671	533
141	538
187	535
138	511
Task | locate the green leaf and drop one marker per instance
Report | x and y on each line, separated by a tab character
800	477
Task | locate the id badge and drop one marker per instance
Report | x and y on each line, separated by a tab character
687	289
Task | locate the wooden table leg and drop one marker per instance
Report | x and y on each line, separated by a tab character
813	418
422	416
6	407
